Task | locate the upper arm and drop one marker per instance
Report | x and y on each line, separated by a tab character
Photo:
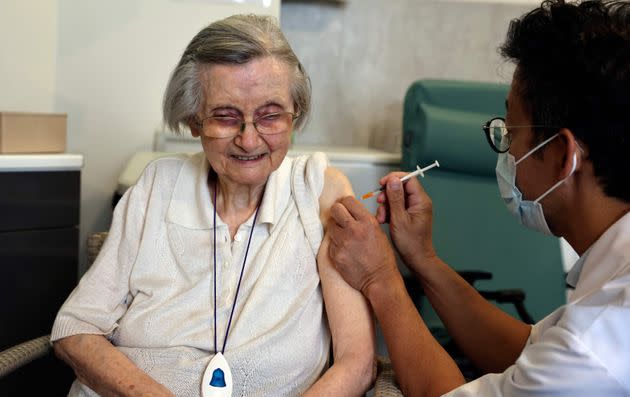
102	295
348	312
336	185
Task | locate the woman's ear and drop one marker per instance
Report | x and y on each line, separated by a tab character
194	128
571	153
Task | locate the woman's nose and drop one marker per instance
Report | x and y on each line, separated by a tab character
249	137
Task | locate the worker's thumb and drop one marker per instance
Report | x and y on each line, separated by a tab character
395	199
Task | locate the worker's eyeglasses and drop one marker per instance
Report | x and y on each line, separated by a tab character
497	134
229	127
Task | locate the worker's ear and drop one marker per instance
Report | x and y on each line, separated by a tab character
570	153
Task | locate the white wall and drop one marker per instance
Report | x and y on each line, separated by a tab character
28	45
364	55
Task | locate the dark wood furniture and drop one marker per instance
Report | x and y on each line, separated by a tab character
39	244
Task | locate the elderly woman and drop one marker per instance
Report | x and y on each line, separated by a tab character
215	275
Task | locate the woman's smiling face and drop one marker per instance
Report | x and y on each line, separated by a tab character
248	91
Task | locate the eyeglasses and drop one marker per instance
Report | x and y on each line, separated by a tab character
229	127
497	134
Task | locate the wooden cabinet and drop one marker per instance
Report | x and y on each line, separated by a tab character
39	245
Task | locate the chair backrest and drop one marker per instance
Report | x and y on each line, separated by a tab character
472	228
94	243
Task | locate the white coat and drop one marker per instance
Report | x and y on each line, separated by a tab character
581	349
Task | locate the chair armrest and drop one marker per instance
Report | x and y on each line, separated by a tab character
94	243
504	295
473	275
513	296
385	385
19	355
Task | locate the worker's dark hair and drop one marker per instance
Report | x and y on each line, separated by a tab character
573	70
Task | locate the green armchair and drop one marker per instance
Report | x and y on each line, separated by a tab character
472	228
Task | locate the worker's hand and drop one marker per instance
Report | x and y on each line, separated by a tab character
358	247
409	211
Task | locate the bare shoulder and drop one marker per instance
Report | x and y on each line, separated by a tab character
336	185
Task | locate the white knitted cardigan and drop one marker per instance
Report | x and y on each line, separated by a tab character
150	289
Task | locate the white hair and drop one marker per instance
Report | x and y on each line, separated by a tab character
235	40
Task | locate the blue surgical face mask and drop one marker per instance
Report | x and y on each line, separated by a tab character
529	213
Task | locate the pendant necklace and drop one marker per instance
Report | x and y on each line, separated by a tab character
217	378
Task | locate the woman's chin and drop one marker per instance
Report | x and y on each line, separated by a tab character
248	177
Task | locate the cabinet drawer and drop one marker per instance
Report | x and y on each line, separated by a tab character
38	270
33	200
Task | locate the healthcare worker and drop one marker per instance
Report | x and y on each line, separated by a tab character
562	169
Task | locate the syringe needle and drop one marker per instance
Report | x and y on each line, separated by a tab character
418	171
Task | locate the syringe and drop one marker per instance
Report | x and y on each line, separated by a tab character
418	171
